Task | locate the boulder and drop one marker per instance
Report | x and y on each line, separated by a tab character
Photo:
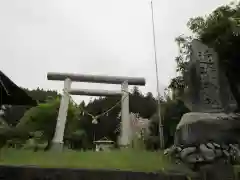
198	128
202	138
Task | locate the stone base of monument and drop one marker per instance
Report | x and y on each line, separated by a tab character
57	147
204	138
198	127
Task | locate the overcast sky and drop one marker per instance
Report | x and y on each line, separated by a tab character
106	37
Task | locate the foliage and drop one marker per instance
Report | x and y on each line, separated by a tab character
145	105
177	83
77	139
38	123
42	95
219	30
43	119
171	111
12	114
9	135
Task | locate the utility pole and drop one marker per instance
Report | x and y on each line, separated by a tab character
158	90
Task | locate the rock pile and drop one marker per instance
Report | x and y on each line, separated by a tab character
205	153
204	138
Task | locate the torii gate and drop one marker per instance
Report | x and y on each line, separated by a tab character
68	78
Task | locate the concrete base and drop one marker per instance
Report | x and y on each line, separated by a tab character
57	147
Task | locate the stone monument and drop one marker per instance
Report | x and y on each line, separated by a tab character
211	131
208	86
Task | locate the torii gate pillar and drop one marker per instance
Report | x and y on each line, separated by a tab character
57	141
125	117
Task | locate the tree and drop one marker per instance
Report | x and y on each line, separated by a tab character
42	95
12	114
39	122
171	111
107	124
144	105
219	30
43	119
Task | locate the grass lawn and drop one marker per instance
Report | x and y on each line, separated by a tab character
124	159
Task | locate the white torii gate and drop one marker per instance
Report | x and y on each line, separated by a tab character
68	78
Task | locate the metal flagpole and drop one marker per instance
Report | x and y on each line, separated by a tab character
158	90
